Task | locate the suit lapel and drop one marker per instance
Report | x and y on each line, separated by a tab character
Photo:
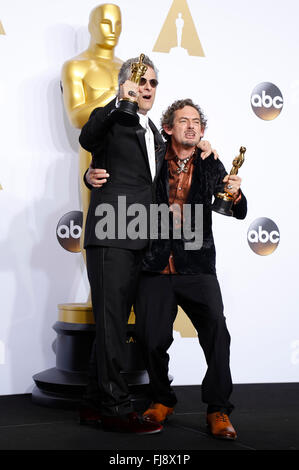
197	178
160	147
140	132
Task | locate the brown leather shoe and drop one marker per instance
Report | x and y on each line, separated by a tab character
220	426
158	412
132	423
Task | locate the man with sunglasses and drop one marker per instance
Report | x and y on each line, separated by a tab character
132	156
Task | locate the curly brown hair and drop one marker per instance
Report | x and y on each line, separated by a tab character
168	115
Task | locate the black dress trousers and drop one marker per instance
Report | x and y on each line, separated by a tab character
158	298
113	274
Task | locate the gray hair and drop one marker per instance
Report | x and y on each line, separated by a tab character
168	116
125	70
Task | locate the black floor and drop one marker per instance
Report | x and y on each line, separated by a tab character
266	418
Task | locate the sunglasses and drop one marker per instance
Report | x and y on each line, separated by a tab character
153	82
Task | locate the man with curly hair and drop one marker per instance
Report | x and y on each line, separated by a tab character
175	274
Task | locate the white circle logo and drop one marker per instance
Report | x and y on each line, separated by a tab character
266	101
69	229
263	236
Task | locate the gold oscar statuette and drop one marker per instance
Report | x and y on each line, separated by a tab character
223	201
126	111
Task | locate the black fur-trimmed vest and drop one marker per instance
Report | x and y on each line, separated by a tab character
207	180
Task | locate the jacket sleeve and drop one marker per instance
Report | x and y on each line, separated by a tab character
86	182
240	209
221	173
94	130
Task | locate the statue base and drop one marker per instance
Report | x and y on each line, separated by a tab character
223	204
126	113
64	385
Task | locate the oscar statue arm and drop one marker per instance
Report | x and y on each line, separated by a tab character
76	103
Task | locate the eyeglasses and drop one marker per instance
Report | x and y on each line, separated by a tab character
153	82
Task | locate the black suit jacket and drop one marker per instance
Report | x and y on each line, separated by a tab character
122	152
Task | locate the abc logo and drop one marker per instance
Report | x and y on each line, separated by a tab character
69	229
266	101
263	236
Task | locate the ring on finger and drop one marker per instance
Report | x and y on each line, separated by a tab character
132	93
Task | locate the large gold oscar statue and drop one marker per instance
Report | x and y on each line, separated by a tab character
90	80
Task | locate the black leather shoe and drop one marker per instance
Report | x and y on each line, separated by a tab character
132	423
89	416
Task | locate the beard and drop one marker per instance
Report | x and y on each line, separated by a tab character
190	143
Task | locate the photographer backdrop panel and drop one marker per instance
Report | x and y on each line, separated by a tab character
238	61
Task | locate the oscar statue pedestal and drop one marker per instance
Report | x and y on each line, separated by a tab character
63	386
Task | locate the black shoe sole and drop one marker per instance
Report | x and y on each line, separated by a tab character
120	430
89	422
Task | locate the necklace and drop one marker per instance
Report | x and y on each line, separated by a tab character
182	163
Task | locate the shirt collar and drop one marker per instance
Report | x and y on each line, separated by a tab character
143	120
170	154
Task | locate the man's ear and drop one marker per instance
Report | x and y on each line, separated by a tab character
167	129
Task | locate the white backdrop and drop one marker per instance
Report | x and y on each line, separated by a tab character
245	43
